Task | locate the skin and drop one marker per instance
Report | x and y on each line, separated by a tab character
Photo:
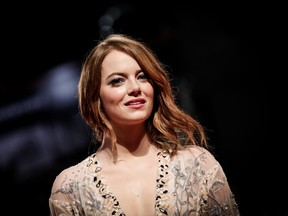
127	99
123	81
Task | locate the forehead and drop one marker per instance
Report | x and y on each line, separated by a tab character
115	56
117	61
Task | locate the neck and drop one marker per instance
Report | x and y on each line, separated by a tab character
131	142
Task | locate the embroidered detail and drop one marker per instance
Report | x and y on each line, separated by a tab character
110	202
162	195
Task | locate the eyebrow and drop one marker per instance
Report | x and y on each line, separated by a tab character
122	73
113	74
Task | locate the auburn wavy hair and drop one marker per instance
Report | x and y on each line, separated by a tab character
169	127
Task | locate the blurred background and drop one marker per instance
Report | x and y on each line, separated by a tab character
212	54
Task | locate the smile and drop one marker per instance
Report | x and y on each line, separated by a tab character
135	102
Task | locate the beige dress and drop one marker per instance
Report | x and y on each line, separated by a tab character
190	183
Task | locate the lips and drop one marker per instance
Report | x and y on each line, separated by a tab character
135	102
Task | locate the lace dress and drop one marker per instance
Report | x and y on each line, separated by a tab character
190	183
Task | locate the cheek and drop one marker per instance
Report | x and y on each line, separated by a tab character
149	91
111	96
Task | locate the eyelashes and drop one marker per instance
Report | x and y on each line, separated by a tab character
119	79
116	81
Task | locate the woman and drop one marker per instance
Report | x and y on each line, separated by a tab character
152	157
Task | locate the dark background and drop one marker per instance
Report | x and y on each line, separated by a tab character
212	54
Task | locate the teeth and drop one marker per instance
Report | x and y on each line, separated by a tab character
134	103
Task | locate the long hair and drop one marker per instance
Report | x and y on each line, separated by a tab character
169	127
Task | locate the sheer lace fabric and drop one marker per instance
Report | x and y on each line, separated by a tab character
190	183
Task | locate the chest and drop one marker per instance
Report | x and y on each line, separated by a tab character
134	185
134	188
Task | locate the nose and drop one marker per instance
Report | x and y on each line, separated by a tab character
134	89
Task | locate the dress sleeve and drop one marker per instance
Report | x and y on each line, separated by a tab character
62	201
217	197
60	208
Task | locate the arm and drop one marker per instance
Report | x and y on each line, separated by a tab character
217	197
62	201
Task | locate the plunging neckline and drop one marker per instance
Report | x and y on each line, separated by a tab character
108	196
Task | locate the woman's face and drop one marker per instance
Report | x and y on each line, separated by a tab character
125	93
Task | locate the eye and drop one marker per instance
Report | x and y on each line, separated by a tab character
142	76
116	81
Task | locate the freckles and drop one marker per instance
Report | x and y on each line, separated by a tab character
150	90
113	95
